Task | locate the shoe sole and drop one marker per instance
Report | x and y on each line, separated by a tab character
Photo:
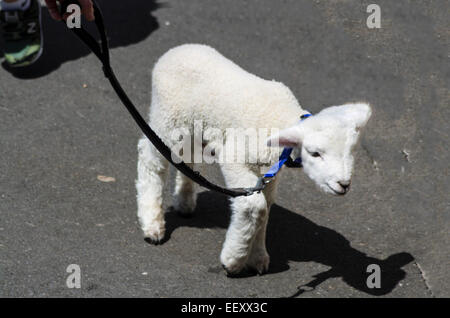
41	49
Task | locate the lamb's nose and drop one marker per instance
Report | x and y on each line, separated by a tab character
345	185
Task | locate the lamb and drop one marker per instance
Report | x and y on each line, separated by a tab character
194	82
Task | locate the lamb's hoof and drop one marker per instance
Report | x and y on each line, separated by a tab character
152	241
233	267
154	234
231	273
227	271
259	263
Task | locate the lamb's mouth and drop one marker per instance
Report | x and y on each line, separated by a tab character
336	192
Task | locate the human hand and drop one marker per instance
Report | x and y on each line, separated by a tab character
87	9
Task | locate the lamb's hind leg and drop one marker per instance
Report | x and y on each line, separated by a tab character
152	171
248	215
185	196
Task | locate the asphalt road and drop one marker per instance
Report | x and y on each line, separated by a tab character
61	126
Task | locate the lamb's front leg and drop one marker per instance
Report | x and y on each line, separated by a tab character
248	215
152	170
259	259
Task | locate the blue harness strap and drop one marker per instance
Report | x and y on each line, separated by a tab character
285	157
281	161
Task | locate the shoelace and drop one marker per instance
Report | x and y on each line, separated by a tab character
13	26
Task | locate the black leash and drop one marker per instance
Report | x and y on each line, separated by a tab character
102	52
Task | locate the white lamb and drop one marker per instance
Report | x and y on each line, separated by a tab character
195	82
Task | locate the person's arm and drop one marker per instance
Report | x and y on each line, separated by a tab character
87	9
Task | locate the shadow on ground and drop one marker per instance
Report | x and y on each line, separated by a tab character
292	237
127	22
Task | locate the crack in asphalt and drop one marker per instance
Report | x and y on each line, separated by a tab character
425	279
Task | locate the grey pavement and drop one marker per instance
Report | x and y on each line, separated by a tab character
61	126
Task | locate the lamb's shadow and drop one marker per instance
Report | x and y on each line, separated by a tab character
127	22
292	237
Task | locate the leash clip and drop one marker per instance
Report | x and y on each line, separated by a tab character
260	185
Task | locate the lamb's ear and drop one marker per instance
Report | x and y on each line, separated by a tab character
289	137
357	114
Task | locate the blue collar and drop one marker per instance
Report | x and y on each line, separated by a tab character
285	158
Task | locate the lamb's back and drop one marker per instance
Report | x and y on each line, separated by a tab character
195	82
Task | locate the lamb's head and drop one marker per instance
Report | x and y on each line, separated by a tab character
325	142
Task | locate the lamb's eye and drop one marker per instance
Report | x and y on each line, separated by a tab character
315	154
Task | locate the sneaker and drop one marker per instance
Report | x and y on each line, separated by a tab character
22	36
